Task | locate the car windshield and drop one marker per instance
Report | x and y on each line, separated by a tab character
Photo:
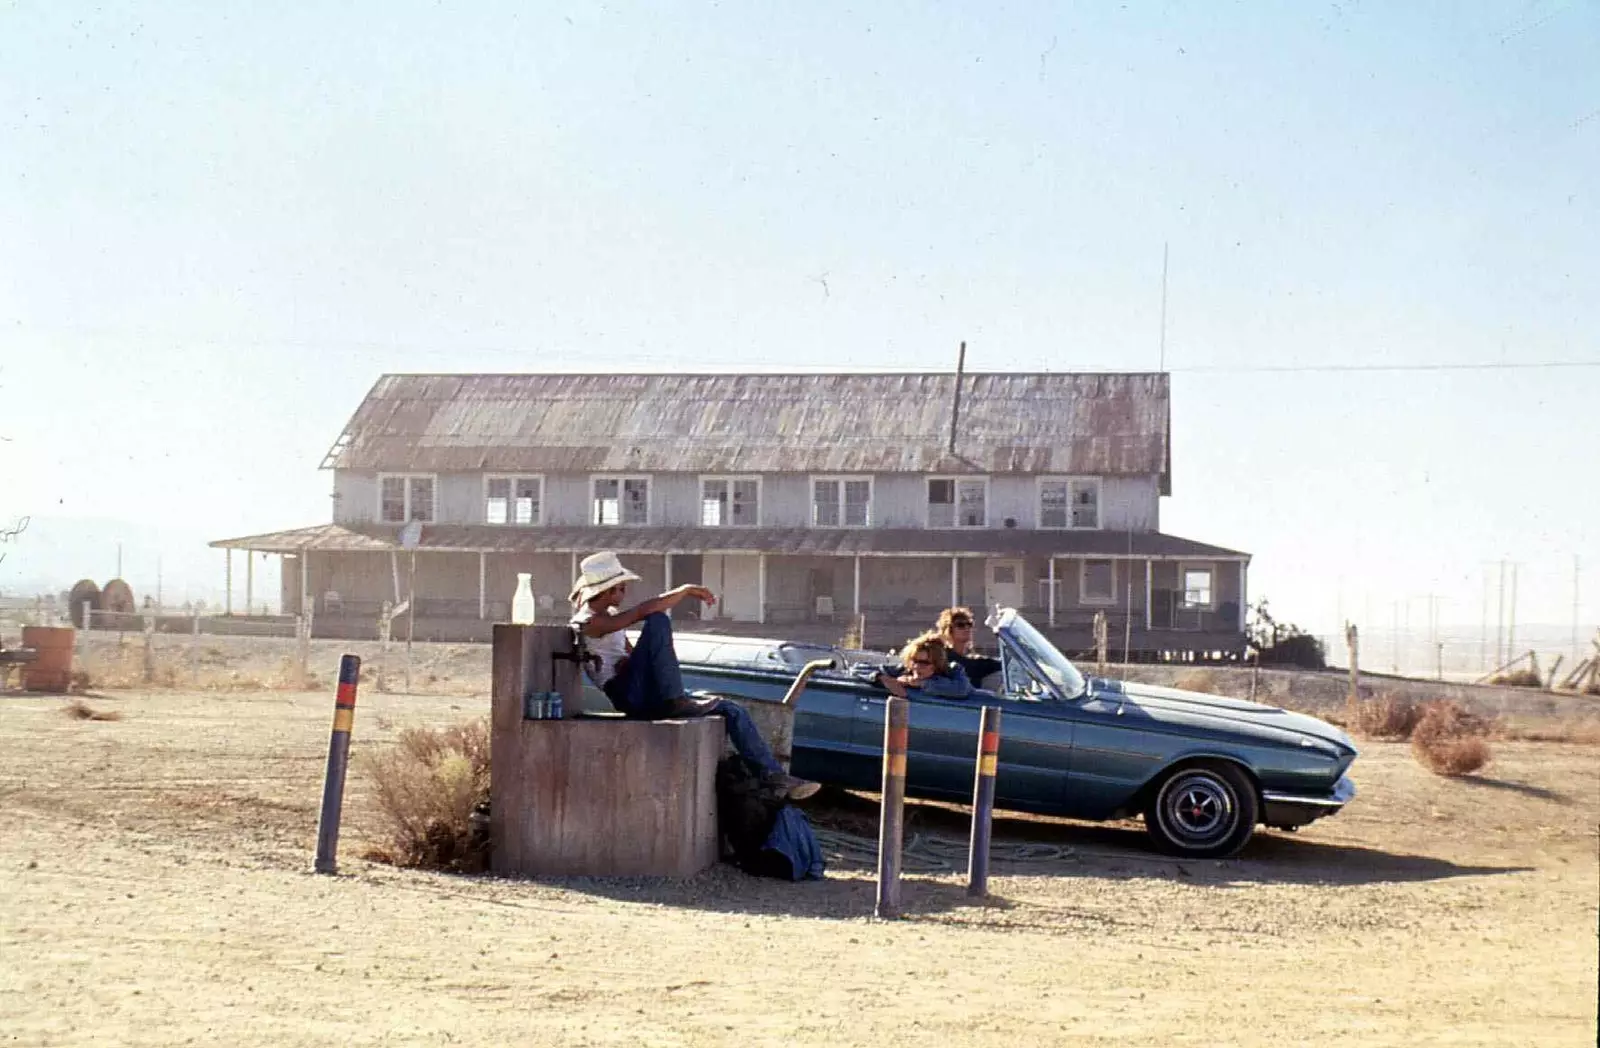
1061	673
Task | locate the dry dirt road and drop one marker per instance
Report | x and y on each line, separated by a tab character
154	890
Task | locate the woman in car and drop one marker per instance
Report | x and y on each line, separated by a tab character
956	627
925	666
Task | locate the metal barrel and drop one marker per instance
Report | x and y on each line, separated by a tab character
891	817
344	718
983	802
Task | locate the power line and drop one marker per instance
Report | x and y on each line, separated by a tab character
1258	369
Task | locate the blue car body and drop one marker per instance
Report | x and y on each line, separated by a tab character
1071	745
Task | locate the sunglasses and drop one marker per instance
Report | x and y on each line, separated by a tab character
922	662
961	624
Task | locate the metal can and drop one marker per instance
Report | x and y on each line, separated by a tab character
553	706
533	706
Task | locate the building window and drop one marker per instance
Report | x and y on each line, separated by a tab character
1197	586
513	500
621	500
730	502
958	502
1097	582
841	502
1069	502
403	498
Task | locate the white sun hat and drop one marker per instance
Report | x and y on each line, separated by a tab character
598	572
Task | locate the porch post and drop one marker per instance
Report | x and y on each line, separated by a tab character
955	581
572	571
483	586
249	580
305	581
858	583
1241	596
761	589
1149	587
227	560
666	569
1052	585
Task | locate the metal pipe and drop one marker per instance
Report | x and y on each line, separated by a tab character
955	409
344	718
804	675
891	815
983	802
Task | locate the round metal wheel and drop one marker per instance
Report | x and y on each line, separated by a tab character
1203	811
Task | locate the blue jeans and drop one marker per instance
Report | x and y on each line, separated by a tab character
651	688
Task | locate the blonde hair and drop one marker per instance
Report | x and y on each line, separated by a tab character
949	615
932	645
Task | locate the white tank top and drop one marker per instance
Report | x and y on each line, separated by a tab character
611	648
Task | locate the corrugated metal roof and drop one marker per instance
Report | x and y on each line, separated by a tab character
1105	424
485	538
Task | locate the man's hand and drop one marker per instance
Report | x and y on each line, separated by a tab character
689	589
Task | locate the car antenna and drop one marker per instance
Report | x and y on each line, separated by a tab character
955	408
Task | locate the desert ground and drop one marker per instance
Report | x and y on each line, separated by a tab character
155	889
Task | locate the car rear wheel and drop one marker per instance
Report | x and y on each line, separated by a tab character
1203	811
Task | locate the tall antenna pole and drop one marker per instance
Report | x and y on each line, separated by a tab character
1163	362
955	410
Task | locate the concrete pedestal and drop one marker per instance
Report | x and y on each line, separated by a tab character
595	798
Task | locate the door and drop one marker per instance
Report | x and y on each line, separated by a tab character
736	580
1003	583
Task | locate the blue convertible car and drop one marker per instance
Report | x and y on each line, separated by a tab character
1203	770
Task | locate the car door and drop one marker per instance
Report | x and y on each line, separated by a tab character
942	747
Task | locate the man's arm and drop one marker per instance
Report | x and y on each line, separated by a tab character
603	623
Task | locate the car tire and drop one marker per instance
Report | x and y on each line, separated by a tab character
1203	811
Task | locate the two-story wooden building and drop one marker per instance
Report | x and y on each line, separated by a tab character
800	499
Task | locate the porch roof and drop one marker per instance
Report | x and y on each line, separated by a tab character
489	538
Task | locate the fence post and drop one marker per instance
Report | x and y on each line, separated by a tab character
344	719
983	802
1353	640
891	815
302	633
194	648
149	648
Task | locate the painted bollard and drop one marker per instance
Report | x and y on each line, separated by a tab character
891	817
983	802
344	718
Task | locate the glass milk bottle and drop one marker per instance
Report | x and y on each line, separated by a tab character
523	609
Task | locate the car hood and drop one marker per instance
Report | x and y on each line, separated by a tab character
1218	711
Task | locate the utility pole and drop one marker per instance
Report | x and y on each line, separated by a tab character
1394	621
1483	624
1511	625
1162	365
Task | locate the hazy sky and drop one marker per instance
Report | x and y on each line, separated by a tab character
219	223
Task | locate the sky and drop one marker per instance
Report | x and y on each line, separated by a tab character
222	222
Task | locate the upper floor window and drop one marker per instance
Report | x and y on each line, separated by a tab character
620	500
1198	581
403	498
513	500
730	502
1069	502
958	502
841	502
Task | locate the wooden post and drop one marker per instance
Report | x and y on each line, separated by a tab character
1100	643
149	649
1052	585
194	648
249	582
1353	642
857	605
227	575
344	718
891	814
983	802
955	581
302	630
483	586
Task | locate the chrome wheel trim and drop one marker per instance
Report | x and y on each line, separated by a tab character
1198	808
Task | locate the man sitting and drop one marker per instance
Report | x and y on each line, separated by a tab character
643	680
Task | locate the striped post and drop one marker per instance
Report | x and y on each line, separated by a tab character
891	817
344	718
983	802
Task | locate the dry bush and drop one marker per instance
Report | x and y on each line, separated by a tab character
1517	679
1448	740
1198	680
1386	716
77	709
429	786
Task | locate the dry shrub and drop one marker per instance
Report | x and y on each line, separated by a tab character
77	709
1198	680
1450	741
1517	679
432	786
1386	716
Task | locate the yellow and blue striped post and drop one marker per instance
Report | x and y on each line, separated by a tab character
344	719
983	802
891	816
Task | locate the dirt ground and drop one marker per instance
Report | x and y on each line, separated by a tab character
155	890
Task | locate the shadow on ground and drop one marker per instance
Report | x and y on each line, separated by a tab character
1515	787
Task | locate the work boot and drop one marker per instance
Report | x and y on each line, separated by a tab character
787	785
